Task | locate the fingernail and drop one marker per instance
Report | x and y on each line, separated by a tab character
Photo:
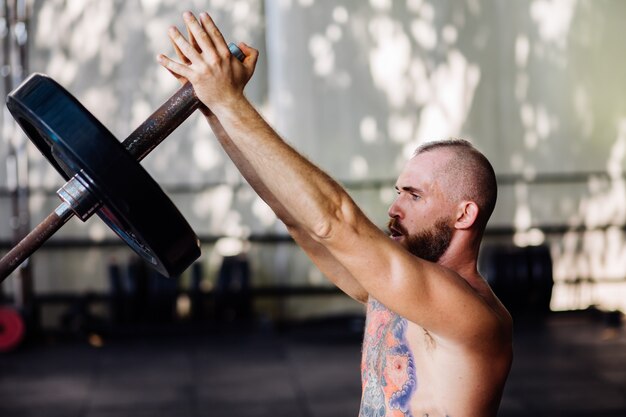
187	15
172	29
204	14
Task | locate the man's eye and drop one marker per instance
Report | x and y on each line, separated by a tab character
415	196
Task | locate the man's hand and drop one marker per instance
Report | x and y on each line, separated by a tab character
217	77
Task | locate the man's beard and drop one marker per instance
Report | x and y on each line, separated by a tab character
428	244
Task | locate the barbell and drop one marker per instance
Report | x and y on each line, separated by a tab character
103	175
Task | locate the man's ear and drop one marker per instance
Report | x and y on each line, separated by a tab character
466	215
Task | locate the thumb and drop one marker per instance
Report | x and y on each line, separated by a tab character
252	56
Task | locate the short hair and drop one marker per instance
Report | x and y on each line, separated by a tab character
468	175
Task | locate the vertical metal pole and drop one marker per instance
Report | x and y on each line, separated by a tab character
13	69
20	70
5	74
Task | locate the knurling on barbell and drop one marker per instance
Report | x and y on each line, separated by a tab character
104	176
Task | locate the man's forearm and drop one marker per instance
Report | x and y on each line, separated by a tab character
246	170
304	191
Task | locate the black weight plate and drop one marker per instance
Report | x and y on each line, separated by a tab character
133	204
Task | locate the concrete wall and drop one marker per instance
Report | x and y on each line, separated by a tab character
356	85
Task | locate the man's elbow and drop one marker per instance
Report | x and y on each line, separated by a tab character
339	216
323	230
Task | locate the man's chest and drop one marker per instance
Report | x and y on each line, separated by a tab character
388	369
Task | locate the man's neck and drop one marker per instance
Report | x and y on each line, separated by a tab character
462	257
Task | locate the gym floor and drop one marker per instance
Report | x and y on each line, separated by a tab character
573	364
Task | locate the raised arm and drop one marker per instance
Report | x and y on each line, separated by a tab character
327	264
324	260
317	208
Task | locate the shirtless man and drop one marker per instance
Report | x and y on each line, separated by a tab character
437	340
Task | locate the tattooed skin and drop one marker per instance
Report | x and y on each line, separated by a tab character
387	367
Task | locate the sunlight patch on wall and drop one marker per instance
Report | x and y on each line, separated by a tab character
607	205
522	50
241	11
449	34
152	6
522	82
414	5
582	106
98	231
230	246
247	19
323	54
530	237
525	234
573	296
452	87
358	167
611	296
553	18
322	49
387	195
233	226
368	128
37	203
389	59
100	101
381	5
315	276
523	214
214	203
219	4
263	212
538	124
140	111
427	12
205	154
425	34
65	70
340	15
422	92
334	33
598	254
401	128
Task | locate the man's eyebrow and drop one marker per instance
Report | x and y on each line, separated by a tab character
410	189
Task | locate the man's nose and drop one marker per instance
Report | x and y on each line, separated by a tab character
395	210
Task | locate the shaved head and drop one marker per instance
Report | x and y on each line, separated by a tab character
466	176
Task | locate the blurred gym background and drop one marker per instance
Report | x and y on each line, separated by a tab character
356	86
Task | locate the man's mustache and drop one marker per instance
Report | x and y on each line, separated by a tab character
395	227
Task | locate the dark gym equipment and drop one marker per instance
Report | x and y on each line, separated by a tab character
233	299
104	175
521	277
